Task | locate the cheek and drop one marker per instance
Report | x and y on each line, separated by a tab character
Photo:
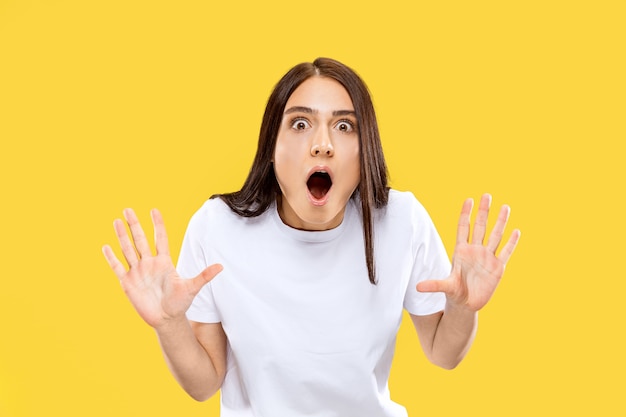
354	161
286	161
291	148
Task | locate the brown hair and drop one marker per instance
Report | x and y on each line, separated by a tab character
260	189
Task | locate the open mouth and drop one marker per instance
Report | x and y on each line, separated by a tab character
318	184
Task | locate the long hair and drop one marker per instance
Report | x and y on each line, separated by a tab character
260	188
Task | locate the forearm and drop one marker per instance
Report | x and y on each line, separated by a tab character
453	337
188	361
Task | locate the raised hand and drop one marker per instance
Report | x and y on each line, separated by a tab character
151	282
476	268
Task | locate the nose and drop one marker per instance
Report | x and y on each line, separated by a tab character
322	145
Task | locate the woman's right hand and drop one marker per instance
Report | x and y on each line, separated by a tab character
151	282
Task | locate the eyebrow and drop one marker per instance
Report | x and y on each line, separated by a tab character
308	110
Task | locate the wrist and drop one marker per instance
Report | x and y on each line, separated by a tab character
459	309
171	325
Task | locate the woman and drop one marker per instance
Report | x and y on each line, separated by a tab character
316	258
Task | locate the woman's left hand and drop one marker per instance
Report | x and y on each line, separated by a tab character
476	269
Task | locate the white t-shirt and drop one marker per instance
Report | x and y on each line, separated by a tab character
308	334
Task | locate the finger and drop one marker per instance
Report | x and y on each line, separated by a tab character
508	249
205	277
480	225
160	235
139	237
498	230
114	263
463	230
128	250
434	285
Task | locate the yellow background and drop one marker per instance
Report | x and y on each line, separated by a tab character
109	104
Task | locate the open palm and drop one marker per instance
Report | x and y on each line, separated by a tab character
151	282
476	269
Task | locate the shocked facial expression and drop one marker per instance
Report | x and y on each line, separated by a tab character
316	159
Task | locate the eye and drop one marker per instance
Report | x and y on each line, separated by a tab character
346	126
300	124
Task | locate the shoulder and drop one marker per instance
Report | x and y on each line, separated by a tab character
404	204
212	216
212	210
215	217
405	216
397	197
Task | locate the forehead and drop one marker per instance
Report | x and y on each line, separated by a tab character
322	94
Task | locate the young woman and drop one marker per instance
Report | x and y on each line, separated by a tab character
317	258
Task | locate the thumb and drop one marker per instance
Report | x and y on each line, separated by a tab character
433	285
205	277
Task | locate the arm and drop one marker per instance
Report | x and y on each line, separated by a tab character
476	271
195	353
447	336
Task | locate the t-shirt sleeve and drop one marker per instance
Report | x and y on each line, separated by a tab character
431	262
194	258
